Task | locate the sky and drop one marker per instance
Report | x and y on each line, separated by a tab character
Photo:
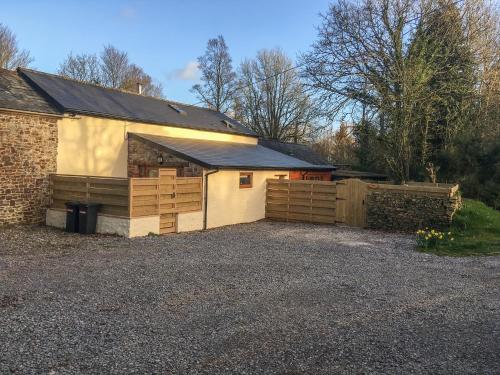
163	37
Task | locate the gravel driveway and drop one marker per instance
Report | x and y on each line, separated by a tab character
257	298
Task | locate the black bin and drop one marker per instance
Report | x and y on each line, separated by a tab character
87	217
72	209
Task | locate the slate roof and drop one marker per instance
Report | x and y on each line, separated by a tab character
227	155
17	94
299	151
83	98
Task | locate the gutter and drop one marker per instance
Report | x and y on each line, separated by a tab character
205	200
32	112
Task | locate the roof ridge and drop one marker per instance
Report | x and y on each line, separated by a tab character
287	143
122	91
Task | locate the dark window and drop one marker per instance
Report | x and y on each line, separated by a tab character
246	180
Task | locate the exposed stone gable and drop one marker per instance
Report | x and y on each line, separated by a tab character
28	154
143	155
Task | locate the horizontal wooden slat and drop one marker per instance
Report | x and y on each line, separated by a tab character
323	219
114	210
136	193
106	200
116	192
108	181
188	180
189	208
193	197
188	190
165	220
277	207
323	204
144	181
144	211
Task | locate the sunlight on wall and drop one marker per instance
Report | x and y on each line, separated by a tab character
228	204
98	146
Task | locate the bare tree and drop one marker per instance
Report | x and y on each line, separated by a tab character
135	76
272	100
417	70
84	68
218	76
11	56
337	146
482	28
114	67
364	58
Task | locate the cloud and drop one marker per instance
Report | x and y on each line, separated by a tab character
190	72
127	12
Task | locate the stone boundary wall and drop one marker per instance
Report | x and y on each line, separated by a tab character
410	210
28	153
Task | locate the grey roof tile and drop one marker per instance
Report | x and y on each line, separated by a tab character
84	98
17	94
296	150
228	155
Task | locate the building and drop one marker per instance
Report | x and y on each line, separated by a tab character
304	153
50	124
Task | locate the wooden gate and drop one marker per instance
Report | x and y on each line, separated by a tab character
166	198
351	202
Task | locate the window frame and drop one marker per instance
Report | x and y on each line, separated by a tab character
246	186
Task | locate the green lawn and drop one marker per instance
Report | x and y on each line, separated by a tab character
475	231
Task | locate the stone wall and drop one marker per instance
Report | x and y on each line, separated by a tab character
28	153
142	156
409	211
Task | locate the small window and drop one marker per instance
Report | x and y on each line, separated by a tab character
246	179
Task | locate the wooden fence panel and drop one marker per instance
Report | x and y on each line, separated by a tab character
111	193
189	192
134	197
298	200
144	197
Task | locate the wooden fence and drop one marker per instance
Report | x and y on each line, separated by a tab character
143	197
125	197
342	202
111	193
299	200
188	194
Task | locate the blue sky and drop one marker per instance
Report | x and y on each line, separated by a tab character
164	37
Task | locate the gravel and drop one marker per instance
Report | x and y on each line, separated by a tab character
256	298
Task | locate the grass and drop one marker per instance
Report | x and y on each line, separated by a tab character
475	229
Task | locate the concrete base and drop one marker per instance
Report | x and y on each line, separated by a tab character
121	226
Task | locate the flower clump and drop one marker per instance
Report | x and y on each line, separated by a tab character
432	237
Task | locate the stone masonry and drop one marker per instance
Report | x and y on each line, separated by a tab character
143	155
409	211
28	154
